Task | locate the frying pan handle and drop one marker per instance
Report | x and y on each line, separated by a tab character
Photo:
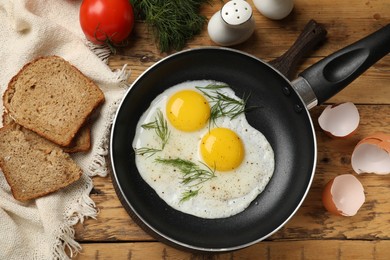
312	34
330	75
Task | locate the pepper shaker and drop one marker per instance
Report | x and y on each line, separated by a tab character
233	24
274	9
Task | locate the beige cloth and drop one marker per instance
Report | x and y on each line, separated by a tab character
43	228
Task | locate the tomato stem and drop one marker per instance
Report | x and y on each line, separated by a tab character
108	40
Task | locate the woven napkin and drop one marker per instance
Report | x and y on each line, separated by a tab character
43	228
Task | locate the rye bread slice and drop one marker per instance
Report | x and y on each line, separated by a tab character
81	142
52	98
32	165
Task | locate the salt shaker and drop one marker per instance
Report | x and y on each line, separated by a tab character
233	24
274	9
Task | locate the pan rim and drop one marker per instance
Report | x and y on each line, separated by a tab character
169	238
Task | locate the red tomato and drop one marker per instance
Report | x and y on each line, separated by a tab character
105	21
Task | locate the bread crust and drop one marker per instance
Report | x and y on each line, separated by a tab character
63	132
37	153
81	142
48	104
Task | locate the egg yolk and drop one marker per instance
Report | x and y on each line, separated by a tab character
222	149
188	110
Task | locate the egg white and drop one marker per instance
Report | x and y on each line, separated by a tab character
229	192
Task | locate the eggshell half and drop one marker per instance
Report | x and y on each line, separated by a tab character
372	155
343	195
339	120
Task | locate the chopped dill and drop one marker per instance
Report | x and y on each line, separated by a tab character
193	175
147	151
160	126
189	194
223	105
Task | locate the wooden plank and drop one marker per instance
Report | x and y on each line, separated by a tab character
296	250
113	223
369	88
311	220
344	21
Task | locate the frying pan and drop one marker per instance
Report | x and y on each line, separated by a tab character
283	118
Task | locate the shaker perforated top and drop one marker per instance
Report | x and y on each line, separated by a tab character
236	12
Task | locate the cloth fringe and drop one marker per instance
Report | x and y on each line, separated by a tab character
123	75
102	51
85	206
66	243
66	246
99	165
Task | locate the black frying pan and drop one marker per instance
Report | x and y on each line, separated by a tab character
283	118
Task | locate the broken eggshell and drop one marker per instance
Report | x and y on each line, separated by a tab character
372	155
343	195
340	120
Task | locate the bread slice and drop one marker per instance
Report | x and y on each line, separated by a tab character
52	98
81	142
32	165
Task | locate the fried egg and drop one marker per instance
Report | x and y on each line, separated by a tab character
203	167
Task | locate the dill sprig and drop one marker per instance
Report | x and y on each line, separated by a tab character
172	22
160	126
189	194
193	175
161	129
223	105
147	151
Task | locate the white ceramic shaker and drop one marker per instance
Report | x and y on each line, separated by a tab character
233	24
274	9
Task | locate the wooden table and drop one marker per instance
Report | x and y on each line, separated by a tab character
312	233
